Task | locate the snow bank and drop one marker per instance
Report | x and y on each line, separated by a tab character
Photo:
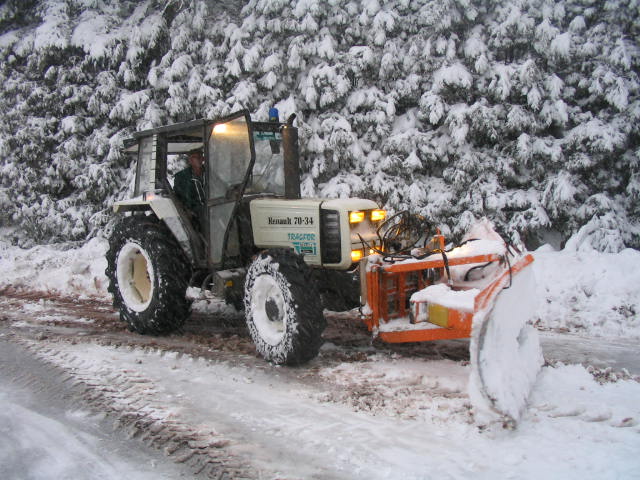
77	272
588	292
596	294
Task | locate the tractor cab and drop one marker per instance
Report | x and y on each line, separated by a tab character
243	160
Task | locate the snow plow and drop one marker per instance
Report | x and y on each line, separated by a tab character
482	289
234	222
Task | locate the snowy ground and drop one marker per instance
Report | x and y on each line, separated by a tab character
355	412
43	438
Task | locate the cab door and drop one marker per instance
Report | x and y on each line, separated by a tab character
231	156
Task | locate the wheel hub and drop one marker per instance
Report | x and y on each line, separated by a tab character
271	308
268	307
135	276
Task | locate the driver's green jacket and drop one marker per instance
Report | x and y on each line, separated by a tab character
189	189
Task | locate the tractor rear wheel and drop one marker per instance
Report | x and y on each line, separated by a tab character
283	308
148	276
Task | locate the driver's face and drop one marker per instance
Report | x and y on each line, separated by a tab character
196	160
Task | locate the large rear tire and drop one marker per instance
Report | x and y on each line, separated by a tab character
148	276
283	308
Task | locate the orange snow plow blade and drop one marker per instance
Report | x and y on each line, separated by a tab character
398	319
452	294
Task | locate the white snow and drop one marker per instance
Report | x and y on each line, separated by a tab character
561	45
404	418
478	247
402	324
78	272
589	292
92	34
41	447
455	74
411	419
505	352
443	295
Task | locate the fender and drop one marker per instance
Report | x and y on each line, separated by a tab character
167	211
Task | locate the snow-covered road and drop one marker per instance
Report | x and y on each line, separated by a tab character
603	353
362	409
46	433
356	412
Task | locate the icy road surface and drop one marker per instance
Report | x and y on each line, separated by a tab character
358	411
45	436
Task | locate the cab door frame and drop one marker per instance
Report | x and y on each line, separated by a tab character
226	141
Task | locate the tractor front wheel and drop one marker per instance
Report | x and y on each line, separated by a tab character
148	276
283	308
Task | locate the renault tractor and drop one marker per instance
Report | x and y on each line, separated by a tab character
283	259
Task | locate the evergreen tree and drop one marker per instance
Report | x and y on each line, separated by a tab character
525	112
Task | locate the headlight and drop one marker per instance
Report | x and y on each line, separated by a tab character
220	128
377	215
356	217
356	255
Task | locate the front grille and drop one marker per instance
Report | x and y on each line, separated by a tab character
330	236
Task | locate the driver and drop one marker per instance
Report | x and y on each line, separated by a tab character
189	186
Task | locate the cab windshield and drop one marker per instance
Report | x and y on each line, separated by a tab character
268	170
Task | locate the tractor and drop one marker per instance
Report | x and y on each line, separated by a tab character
255	242
283	259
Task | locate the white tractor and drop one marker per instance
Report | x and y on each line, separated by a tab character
254	240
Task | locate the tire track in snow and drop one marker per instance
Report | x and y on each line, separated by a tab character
131	400
552	426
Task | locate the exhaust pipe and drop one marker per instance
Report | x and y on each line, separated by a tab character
291	159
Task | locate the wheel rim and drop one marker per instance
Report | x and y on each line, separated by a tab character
135	276
268	308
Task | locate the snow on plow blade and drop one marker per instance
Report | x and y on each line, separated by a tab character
483	290
504	349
